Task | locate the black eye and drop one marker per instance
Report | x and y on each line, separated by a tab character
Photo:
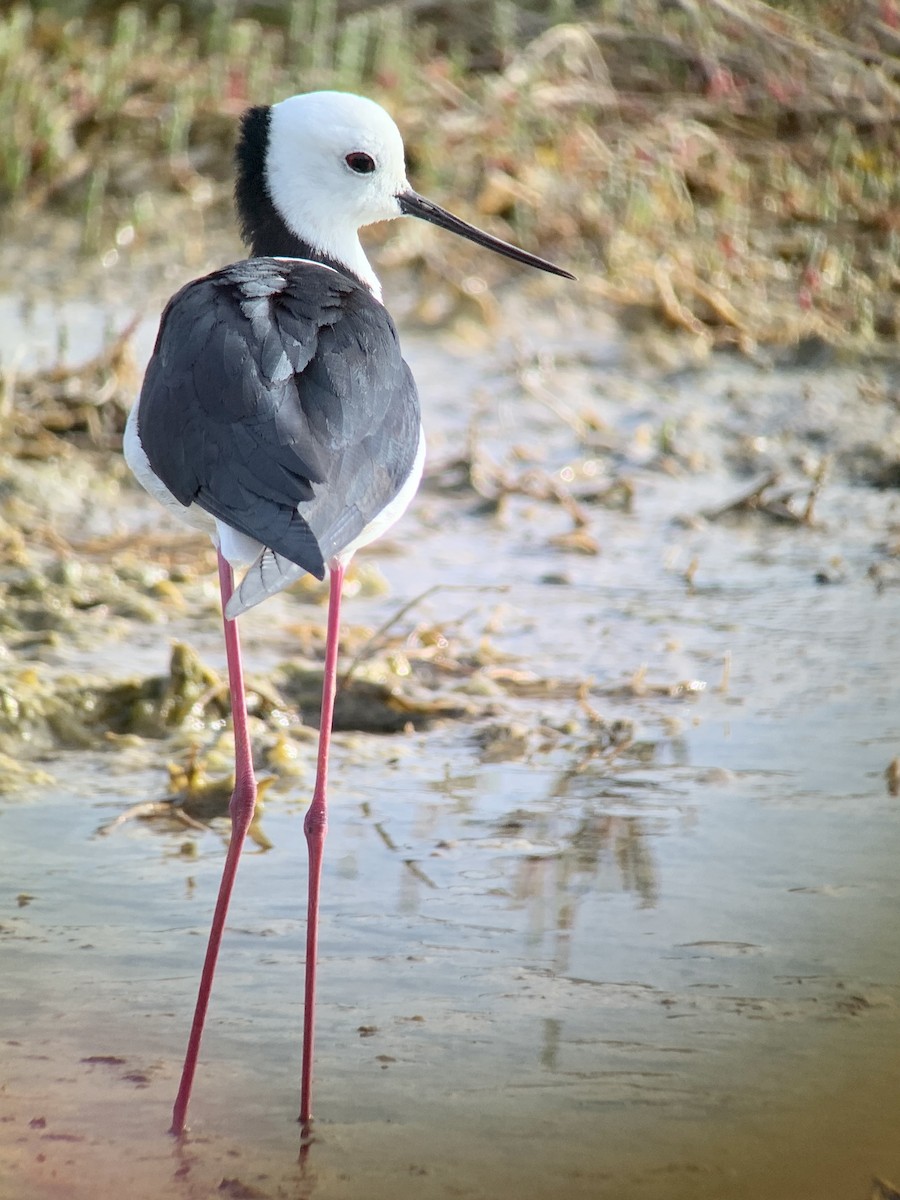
360	162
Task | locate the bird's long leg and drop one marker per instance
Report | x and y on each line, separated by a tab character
315	827
243	803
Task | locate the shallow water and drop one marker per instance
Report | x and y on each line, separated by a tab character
546	969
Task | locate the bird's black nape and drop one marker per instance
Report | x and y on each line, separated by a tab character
263	229
259	222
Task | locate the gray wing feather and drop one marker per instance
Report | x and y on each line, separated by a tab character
278	401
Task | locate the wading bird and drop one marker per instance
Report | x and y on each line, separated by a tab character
278	415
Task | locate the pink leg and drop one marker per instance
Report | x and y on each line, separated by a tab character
243	802
315	827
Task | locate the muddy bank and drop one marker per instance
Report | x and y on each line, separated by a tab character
609	888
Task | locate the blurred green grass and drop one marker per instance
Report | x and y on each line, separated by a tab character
728	167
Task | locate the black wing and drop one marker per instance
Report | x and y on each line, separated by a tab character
277	400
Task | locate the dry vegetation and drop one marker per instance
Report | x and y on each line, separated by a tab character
728	166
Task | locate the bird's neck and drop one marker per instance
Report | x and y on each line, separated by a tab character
263	228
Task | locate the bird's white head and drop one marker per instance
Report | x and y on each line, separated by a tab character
334	164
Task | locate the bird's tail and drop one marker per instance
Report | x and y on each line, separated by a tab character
270	573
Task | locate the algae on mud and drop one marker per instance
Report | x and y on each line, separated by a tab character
608	892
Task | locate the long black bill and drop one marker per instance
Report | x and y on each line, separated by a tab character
414	205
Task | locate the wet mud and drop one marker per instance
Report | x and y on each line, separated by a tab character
610	889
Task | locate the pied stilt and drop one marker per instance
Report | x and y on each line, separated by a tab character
278	414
